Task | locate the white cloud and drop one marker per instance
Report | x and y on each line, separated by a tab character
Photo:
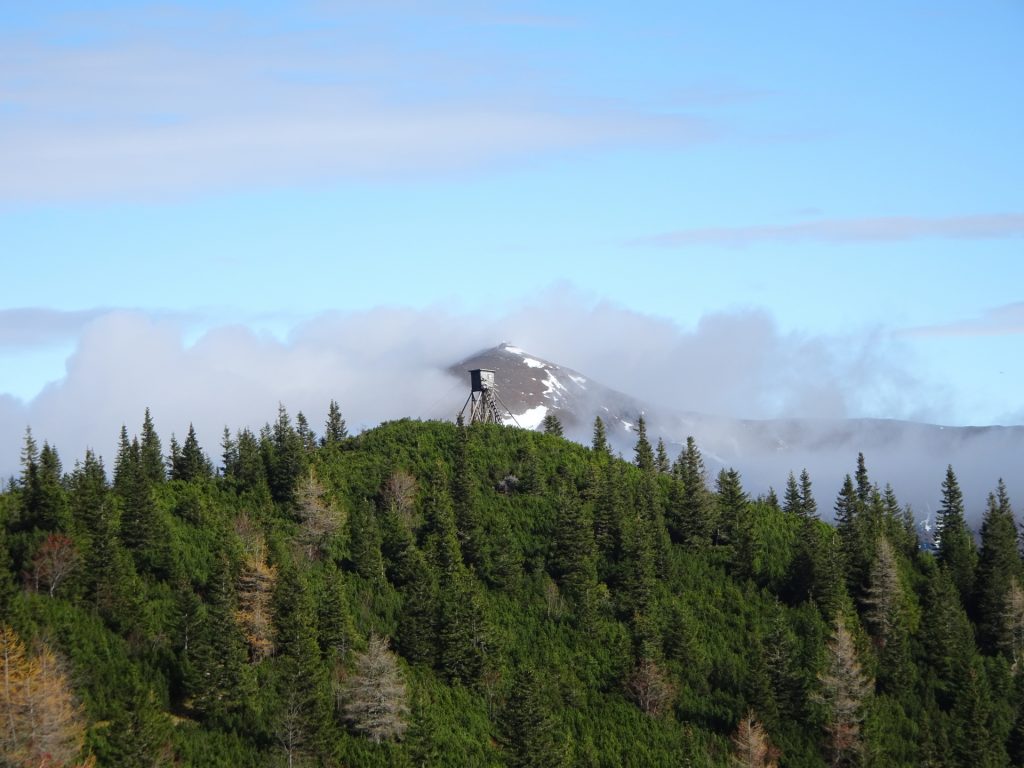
389	363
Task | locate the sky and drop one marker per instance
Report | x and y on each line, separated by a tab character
210	208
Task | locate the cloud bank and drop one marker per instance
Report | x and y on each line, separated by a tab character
390	363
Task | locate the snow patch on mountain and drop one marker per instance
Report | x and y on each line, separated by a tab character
530	419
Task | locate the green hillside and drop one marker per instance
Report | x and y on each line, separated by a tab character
427	594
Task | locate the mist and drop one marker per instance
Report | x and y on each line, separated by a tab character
390	363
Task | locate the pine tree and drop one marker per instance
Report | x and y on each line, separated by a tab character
949	641
599	445
792	503
193	464
462	632
151	452
417	622
998	564
693	520
306	435
229	454
334	430
528	725
44	498
441	541
643	453
863	481
956	545
661	461
287	457
732	508
808	506
608	514
215	662
552	425
301	713
374	698
849	524
335	629
465	502
365	541
574	556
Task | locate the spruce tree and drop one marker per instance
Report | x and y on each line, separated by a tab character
661	461
462	633
302	694
215	661
552	425
792	503
365	542
528	726
956	544
599	444
151	452
643	453
808	506
335	429
998	564
287	457
417	621
573	558
696	515
465	502
731	501
191	463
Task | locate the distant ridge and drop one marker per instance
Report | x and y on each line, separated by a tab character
912	456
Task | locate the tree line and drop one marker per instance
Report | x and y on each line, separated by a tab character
434	594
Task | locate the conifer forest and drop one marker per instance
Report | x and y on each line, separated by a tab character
434	594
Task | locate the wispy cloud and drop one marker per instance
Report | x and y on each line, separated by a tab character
1007	320
861	230
220	101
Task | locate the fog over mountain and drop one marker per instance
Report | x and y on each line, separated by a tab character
756	397
912	456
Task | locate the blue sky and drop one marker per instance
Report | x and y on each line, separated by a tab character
848	174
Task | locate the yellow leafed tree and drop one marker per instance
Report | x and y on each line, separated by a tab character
42	722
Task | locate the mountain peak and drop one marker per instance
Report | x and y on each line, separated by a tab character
532	387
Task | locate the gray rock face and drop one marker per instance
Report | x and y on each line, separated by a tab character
909	455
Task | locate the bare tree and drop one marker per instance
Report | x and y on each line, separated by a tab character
53	562
254	614
649	686
751	747
374	697
844	691
320	520
400	496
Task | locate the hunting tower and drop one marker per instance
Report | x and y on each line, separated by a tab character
484	405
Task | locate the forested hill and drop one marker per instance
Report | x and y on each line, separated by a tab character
429	594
